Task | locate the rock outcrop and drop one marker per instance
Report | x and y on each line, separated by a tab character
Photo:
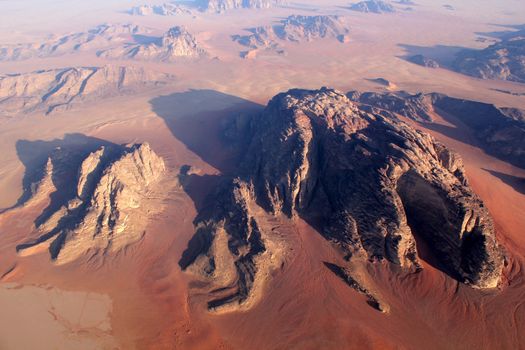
104	213
368	183
59	89
176	44
295	29
504	60
373	6
500	131
423	61
166	9
98	38
219	6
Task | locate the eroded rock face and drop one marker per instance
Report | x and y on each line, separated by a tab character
220	6
59	89
373	6
105	214
367	182
295	29
166	9
177	43
97	38
504	60
500	131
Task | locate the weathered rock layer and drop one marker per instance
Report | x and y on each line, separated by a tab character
104	214
368	183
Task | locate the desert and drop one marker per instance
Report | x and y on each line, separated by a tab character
262	174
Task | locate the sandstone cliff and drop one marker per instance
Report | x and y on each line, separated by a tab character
368	183
58	89
177	43
500	131
97	38
295	29
220	6
504	60
373	6
105	213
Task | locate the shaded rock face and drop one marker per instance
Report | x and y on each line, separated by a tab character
166	9
367	182
500	131
175	44
220	6
102	213
295	29
423	61
100	37
416	107
59	89
373	6
504	60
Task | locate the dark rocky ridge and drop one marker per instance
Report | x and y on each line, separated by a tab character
500	131
373	6
365	181
504	60
295	29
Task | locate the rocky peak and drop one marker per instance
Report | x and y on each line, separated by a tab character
225	5
103	215
367	182
373	6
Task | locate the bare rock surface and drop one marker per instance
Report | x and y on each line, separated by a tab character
58	89
373	6
504	60
500	131
97	38
368	183
166	9
105	213
176	44
219	6
295	29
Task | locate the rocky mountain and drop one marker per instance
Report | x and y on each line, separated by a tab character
500	131
175	44
423	61
295	29
166	9
504	60
100	37
98	207
373	6
367	182
58	89
219	6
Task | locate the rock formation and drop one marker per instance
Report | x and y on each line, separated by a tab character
175	44
423	61
166	9
367	182
500	131
103	212
295	29
373	6
504	60
57	89
220	6
100	37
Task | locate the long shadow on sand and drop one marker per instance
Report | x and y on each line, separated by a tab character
442	54
517	183
214	126
66	156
